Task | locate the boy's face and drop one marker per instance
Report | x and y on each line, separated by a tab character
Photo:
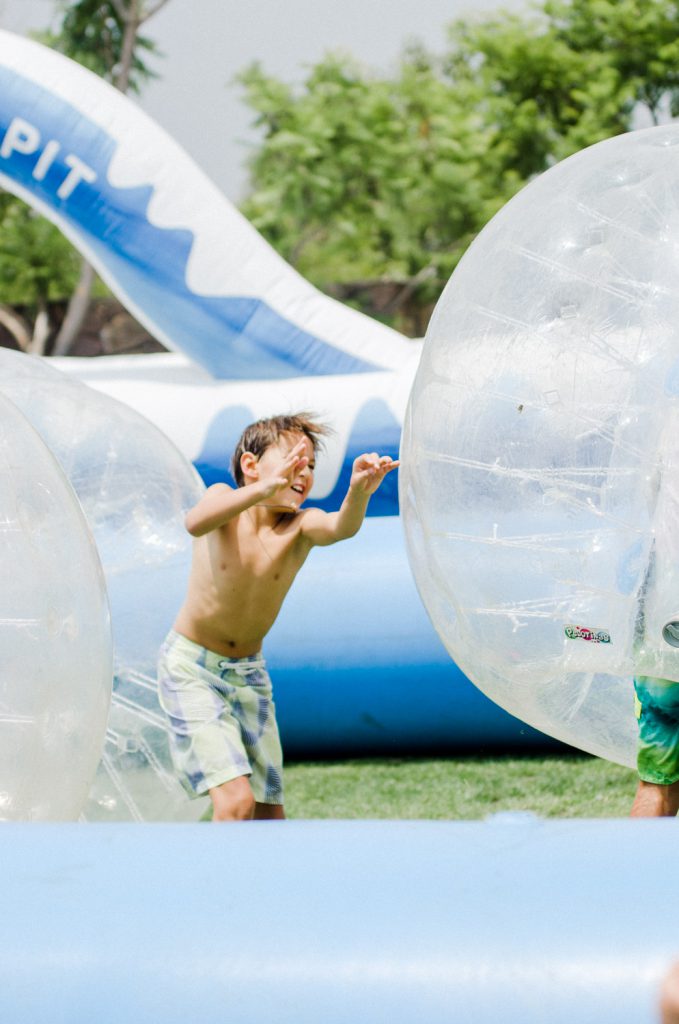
301	481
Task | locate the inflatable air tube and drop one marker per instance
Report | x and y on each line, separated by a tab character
357	667
514	919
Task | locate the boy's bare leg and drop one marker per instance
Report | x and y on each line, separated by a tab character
655	801
669	997
233	801
269	811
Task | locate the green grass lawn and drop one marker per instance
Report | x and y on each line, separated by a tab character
459	788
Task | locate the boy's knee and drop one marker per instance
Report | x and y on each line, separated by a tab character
233	801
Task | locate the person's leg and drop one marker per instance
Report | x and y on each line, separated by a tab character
269	812
233	801
655	801
657	708
257	715
669	997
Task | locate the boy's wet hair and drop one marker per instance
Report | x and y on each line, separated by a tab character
261	435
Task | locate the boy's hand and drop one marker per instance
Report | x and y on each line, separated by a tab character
283	475
370	470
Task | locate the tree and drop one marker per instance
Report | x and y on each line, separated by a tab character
391	178
104	36
542	99
640	39
570	75
37	265
370	179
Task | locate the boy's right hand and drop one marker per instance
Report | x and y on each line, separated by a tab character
283	474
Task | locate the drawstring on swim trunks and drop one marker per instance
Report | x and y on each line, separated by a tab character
243	669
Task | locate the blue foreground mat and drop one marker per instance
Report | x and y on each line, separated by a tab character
514	919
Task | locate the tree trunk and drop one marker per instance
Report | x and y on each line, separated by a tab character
132	20
133	15
78	305
424	274
41	329
17	327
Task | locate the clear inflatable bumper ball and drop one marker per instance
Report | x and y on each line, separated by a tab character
55	635
134	487
540	475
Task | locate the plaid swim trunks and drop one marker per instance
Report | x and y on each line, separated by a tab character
657	707
222	719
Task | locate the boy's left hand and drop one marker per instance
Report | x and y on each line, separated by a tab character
369	471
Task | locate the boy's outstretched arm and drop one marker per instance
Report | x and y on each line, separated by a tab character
368	472
221	502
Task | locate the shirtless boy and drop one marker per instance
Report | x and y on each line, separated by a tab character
250	543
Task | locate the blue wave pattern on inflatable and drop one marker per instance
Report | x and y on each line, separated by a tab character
375	429
234	337
213	463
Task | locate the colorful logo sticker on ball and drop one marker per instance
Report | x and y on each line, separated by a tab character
594	636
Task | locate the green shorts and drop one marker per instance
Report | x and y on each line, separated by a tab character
657	707
222	719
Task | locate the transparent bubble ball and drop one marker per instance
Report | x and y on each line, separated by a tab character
540	477
55	635
134	487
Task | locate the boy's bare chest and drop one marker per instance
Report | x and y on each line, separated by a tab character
270	553
260	553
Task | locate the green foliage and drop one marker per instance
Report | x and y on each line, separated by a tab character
639	39
37	264
363	177
543	99
92	32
